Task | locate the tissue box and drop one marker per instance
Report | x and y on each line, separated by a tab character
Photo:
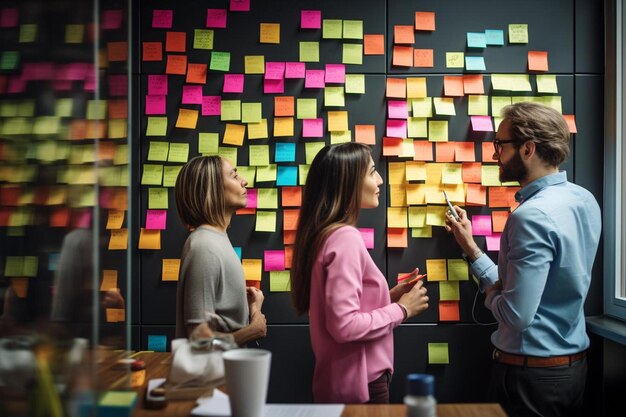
117	404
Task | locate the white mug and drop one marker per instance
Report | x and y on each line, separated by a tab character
247	377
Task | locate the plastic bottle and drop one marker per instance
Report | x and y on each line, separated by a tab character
419	398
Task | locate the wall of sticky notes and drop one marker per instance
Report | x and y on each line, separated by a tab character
267	83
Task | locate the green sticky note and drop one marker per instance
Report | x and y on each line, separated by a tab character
518	33
265	221
158	151
311	149
157	126
498	103
259	155
31	264
63	107
422	232
231	110
478	105
121	155
333	96
47	125
353	29
352	53
309	51
303	171
422	107
179	152
96	109
220	61
26	108
28	33
251	112
449	290
546	83
266	173
14	266
342	137
331	28
170	173
417	216
280	281
152	174
157	198
118	399
208	143
203	39
74	33
8	108
438	353
438	130
457	270
228	153
9	60
417	127
552	101
355	83
267	198
306	108
248	173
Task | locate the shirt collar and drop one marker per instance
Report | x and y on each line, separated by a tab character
530	189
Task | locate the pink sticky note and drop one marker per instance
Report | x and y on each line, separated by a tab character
192	94
274	86
118	85
239	5
335	73
8	17
157	85
274	70
481	225
17	85
252	199
82	219
396	128
314	79
368	236
162	19
112	19
312	128
72	72
233	83
155	104
211	105
38	71
274	260
481	124
216	18
397	109
493	242
310	19
155	219
294	69
58	85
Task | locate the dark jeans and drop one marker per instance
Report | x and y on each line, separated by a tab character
379	389
539	392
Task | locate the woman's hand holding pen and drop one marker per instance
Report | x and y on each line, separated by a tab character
405	283
415	300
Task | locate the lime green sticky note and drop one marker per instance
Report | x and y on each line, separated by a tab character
8	108
422	232
158	151
121	155
303	172
26	108
267	198
552	101
478	105
74	33
31	264
203	38
254	64
28	33
438	353
259	155
9	60
152	174
231	110
265	221
266	173
518	33
220	61
455	60
118	128
438	130
258	130
157	126
331	28
248	173
157	198
306	108
352	53
490	175
228	153
179	152
422	107
118	399
417	216
208	143
520	82
353	29
47	125
449	290
96	109
355	84
110	176
333	96
14	266
341	137
280	281
311	149
498	103
444	106
309	51
251	112
417	127
170	173
452	173
546	83
457	270
63	107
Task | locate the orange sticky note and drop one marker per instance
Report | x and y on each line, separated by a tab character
392	146
338	121
290	219
396	88
476	195
571	122
196	73
423	150
397	237
234	134
365	134
498	220
187	118
283	106
537	60
473	84
498	197
115	315
109	280
291	196
115	219
269	33
288	256
176	64
464	152
252	269
283	126
449	310
472	172
487	151
403	56
245	211
255	284
117	51
453	85
152	51
117	109
424	20
170	269
149	239
175	41
403	34
444	151
20	286
289	237
119	239
373	44
423	58
60	217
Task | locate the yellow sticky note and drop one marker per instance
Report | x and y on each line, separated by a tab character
170	269
436	269
422	232
28	33
31	266
352	53
547	84
353	29
258	130
416	87
449	291
332	28
452	173
109	280
417	216
208	143
309	51
115	219
157	126
149	239
74	33
498	103
334	96
170	173
397	217
252	269
337	121
417	127
265	221
157	198
283	126
355	84
397	172
254	64
455	60
457	270
435	215
340	137
398	195
267	198
152	174
234	134
266	173
230	110
179	152
280	281
518	33
311	149
117	129
415	194
306	108
444	106
478	105
203	38
269	33
251	112
259	155
438	130
119	239
187	119
438	353
303	171
490	176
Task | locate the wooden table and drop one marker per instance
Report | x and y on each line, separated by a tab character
158	363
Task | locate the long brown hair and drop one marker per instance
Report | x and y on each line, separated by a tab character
332	198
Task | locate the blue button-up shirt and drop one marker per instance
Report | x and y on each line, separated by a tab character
547	251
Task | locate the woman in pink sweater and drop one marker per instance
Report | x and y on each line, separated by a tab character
351	310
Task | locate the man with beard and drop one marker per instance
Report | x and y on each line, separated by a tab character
538	289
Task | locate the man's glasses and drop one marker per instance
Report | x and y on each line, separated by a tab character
498	144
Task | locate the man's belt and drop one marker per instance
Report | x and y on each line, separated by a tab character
536	361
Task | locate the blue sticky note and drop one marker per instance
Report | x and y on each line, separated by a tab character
285	152
157	343
53	259
238	251
475	63
286	176
494	37
476	40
